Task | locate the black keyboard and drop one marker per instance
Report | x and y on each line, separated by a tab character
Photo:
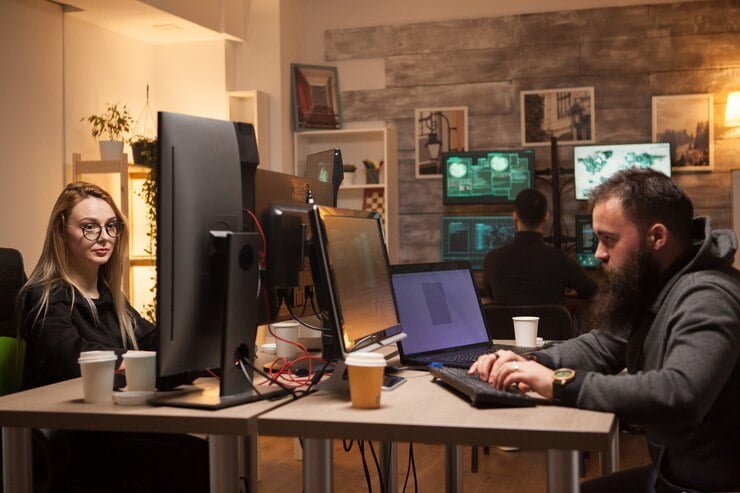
481	394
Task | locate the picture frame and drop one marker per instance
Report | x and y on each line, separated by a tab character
569	114
316	98
447	127
686	121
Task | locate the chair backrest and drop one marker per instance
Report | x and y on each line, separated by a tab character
555	320
12	278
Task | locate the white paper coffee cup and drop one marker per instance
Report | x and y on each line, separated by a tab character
289	331
97	369
141	370
365	379
525	330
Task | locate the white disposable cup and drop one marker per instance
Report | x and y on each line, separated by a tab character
97	369
286	330
349	178
365	379
525	330
141	370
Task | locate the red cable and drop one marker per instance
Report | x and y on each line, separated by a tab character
263	253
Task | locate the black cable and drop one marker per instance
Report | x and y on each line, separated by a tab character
413	468
377	466
301	321
317	376
346	447
312	296
408	468
361	447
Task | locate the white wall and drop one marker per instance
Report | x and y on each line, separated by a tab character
190	78
256	64
102	67
31	122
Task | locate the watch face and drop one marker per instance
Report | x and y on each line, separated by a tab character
565	373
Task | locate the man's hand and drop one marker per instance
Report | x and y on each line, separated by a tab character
503	369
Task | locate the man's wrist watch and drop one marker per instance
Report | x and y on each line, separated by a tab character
560	378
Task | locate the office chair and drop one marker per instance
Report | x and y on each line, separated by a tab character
12	278
555	320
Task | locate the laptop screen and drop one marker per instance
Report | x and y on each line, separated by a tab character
438	310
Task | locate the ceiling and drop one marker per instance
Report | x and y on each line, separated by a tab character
140	21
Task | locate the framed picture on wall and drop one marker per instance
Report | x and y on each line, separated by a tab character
686	122
568	114
316	98
438	130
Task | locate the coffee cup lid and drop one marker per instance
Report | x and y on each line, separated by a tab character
287	323
97	358
139	354
365	359
526	319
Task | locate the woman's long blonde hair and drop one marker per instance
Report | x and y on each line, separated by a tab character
52	271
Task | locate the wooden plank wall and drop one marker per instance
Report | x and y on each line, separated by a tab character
628	54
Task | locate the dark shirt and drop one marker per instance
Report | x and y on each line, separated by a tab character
525	271
55	340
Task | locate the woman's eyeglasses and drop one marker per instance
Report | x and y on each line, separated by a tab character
92	231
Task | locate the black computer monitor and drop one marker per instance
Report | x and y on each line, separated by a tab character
353	283
472	237
281	206
593	164
586	242
486	177
328	167
207	267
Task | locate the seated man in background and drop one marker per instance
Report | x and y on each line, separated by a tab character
525	271
668	312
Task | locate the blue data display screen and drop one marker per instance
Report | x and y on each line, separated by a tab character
486	177
472	237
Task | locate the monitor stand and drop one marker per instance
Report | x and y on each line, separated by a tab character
237	253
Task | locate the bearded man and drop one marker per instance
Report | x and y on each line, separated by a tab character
669	313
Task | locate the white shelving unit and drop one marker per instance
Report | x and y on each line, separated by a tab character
253	107
357	144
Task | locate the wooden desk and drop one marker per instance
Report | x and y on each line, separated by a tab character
421	411
232	431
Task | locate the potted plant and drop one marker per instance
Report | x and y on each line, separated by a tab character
349	174
143	150
114	123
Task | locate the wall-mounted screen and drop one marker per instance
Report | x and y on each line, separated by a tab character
586	242
486	177
472	237
594	164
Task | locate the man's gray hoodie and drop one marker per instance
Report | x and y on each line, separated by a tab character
683	382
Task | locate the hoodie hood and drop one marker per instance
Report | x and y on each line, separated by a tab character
715	250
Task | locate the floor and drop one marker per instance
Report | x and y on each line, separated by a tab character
516	471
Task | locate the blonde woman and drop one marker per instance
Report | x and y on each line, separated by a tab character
73	300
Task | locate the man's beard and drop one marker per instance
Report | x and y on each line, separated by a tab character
624	294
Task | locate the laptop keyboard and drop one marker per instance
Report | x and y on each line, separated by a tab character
481	394
469	357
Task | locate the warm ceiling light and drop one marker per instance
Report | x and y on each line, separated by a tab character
732	110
